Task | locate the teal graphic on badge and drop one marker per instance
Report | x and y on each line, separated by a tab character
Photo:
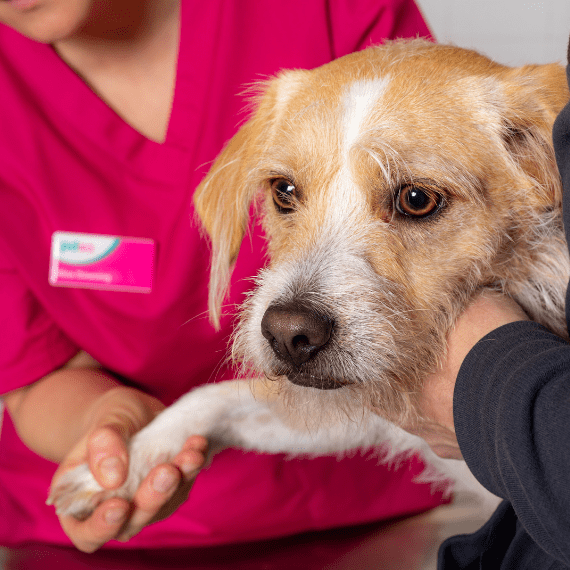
78	249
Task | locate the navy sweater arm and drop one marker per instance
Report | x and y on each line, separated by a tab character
512	419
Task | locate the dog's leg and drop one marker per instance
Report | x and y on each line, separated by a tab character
228	414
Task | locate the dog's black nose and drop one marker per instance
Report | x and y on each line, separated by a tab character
295	333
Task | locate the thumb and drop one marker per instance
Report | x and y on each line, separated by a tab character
116	418
107	454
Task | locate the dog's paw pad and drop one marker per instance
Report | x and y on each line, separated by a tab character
77	493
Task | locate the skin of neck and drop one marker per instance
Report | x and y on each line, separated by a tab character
117	29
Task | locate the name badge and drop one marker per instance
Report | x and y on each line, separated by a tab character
91	261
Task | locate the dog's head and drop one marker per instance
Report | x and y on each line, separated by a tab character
393	183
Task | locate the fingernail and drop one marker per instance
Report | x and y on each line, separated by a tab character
114	516
110	469
163	482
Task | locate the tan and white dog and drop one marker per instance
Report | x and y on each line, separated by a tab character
394	184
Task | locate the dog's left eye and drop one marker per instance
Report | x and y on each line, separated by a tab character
417	201
284	194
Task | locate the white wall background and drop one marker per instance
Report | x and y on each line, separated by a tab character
513	32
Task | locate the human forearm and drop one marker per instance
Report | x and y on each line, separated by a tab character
51	414
81	414
512	420
511	403
435	404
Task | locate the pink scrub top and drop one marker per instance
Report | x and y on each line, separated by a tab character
69	163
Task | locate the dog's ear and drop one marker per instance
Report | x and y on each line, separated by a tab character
534	95
223	199
222	202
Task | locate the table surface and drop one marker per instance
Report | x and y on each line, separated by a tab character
404	544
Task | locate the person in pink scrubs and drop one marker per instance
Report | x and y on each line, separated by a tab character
111	112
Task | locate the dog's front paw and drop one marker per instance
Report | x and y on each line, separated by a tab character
77	493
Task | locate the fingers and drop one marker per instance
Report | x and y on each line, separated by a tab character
192	457
103	525
154	492
159	495
107	456
166	487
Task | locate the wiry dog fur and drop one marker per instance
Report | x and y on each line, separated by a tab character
351	140
350	136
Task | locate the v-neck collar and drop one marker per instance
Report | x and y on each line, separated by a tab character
72	100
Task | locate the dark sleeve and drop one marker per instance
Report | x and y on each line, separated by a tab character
512	419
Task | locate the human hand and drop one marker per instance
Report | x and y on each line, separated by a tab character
110	423
486	313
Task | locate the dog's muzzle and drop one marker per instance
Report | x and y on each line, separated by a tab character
296	334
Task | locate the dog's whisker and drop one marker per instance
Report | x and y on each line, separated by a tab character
228	308
202	315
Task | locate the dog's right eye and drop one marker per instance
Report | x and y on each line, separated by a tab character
418	202
284	195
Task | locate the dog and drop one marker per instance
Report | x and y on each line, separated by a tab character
394	185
